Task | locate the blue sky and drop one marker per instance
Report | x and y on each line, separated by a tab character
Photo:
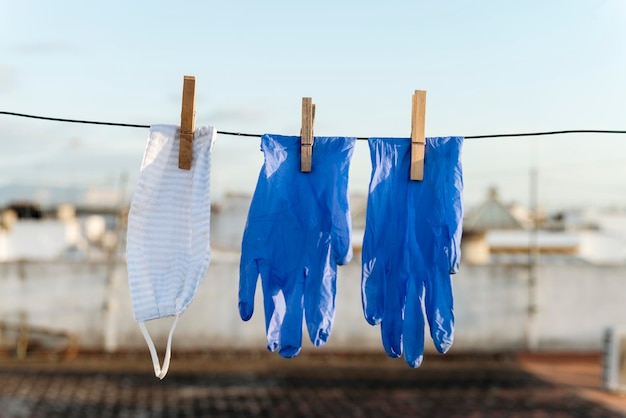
488	66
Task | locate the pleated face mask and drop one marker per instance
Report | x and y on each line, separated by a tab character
167	248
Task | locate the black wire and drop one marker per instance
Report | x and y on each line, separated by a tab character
90	122
132	125
239	134
573	131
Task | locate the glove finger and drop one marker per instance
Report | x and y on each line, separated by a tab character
413	325
342	235
391	332
248	277
319	300
373	280
341	228
453	190
337	165
274	304
341	232
439	306
291	329
391	325
453	248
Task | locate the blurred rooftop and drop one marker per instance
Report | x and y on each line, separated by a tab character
261	384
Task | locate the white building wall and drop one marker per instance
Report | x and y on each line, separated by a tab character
578	303
4	246
602	248
575	305
39	239
490	307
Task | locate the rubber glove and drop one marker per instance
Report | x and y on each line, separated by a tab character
411	244
297	232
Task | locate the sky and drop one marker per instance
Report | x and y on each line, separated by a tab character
488	67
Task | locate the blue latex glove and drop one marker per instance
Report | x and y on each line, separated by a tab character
412	244
298	231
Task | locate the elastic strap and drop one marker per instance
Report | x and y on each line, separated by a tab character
158	371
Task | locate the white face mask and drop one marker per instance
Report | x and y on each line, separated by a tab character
167	248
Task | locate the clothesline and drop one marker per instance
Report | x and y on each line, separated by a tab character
133	125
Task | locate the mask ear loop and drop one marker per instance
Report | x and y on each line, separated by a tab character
158	371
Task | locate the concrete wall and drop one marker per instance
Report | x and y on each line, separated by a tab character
575	305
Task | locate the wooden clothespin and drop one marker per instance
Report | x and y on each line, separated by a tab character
187	123
418	140
306	134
